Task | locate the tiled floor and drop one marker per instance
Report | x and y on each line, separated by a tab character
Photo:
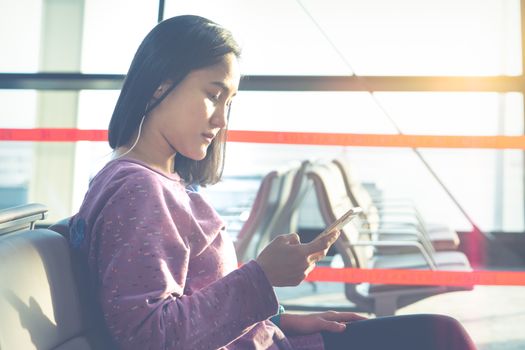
494	316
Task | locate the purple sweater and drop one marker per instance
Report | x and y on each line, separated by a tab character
164	270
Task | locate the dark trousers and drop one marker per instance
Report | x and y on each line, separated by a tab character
418	332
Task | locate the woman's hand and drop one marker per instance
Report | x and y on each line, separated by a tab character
286	261
330	321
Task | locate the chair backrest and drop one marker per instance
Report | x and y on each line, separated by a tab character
357	192
263	207
333	202
39	301
272	195
295	188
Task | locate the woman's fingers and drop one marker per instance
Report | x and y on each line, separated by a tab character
318	248
342	316
293	238
284	261
322	243
287	262
314	258
332	326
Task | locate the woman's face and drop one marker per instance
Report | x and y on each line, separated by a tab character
190	117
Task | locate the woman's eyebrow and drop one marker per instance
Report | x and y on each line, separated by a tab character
223	86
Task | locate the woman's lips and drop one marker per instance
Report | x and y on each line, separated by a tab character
208	136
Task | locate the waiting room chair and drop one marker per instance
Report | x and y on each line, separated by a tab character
40	306
294	187
360	251
268	202
389	217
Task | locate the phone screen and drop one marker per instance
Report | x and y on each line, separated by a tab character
342	221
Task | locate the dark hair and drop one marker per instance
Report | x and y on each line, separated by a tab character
170	51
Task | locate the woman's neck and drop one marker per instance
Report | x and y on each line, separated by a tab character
161	164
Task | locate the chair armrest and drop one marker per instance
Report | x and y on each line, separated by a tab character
396	206
401	224
21	217
419	236
399	211
387	199
411	231
428	259
402	216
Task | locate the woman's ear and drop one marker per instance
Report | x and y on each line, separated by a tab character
161	89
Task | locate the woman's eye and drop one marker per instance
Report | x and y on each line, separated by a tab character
215	97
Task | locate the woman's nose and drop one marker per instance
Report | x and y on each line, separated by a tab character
219	118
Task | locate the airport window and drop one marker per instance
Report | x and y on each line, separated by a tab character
463	38
19	111
20	23
112	32
371	69
377	37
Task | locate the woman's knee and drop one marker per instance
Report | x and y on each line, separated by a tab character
444	321
448	332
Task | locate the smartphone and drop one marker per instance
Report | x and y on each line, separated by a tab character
342	221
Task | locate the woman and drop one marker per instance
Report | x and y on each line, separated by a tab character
162	271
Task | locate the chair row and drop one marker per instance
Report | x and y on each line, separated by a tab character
389	214
387	235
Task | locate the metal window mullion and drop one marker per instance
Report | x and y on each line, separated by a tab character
522	27
78	81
